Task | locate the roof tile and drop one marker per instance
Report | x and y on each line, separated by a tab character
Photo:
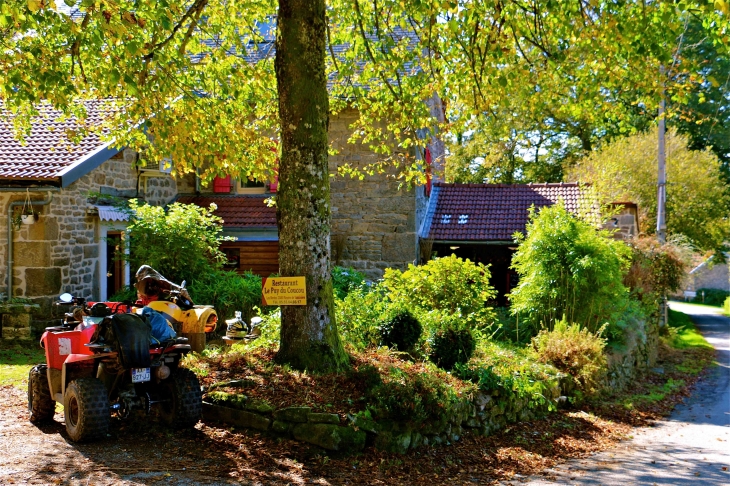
495	211
47	151
237	211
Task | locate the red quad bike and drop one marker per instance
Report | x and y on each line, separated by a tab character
103	363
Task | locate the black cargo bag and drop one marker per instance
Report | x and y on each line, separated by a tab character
129	335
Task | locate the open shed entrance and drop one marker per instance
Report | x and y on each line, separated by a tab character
498	257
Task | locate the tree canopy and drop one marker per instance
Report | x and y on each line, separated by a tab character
194	82
697	197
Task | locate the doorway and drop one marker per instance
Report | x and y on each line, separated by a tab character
115	266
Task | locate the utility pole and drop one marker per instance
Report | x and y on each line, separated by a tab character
661	218
661	215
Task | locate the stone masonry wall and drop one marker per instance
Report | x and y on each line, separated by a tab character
375	216
60	252
709	277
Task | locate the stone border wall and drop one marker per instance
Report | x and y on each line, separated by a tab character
637	354
486	413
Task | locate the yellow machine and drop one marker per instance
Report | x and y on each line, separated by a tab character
174	303
199	319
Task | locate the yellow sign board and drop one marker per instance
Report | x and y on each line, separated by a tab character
284	291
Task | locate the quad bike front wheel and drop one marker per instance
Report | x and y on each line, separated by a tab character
40	404
86	409
182	402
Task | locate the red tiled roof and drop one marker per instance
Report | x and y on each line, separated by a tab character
47	151
237	211
491	212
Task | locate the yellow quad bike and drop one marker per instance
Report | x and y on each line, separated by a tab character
174	303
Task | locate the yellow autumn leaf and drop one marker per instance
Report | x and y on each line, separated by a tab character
35	5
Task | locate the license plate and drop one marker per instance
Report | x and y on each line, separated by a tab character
140	375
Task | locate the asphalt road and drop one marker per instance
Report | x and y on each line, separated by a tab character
690	447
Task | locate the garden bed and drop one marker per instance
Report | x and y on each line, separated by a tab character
385	401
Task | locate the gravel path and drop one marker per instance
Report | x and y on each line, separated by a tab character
690	447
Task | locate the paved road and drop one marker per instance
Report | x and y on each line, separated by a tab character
691	447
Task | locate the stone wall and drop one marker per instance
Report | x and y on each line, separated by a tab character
637	354
483	414
375	216
60	252
708	276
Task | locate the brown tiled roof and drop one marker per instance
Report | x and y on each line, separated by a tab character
491	212
47	153
237	211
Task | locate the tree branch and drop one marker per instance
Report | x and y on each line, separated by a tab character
76	47
195	8
370	52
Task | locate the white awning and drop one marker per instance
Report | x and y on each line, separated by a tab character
111	213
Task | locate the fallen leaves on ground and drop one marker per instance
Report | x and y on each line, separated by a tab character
217	454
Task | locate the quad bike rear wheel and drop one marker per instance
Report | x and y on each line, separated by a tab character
182	399
40	404
86	409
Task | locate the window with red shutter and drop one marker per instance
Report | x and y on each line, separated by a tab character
222	184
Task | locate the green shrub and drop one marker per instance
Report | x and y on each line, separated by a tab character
401	331
128	293
726	307
714	297
451	346
345	280
574	351
413	397
359	314
181	242
227	292
450	285
567	267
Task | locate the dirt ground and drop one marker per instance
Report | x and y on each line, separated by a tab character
139	451
142	452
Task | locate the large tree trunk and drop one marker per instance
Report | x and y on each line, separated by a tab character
309	338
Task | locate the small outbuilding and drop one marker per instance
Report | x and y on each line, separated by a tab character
479	221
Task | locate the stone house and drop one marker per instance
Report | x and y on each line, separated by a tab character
708	275
71	246
374	220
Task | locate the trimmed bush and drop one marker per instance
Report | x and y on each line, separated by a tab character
448	285
451	346
574	351
726	307
714	297
401	331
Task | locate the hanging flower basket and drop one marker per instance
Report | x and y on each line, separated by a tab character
29	218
